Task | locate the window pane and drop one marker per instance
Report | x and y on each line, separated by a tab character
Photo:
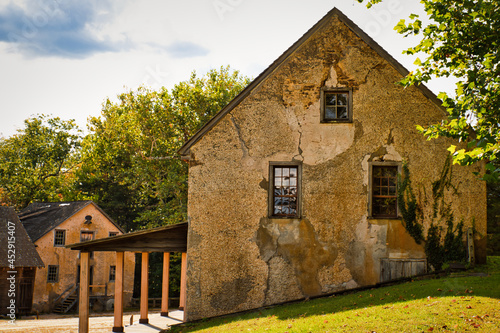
342	99
330	113
388	172
277	191
293	172
392	181
286	182
286	172
277	172
277	181
331	99
342	112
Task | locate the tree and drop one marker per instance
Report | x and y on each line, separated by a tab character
37	163
461	41
130	163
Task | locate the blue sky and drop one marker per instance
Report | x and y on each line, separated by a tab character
65	57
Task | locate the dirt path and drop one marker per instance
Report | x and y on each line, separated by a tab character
59	324
98	323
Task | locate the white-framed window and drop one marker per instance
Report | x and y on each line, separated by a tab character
59	237
284	189
53	273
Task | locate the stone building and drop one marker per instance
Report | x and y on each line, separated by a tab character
19	261
292	186
52	226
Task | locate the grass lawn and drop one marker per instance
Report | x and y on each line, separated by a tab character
460	302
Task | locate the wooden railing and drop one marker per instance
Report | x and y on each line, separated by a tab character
105	286
71	287
155	302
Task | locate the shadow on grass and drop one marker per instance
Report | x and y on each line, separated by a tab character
480	281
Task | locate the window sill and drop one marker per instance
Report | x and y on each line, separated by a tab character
384	218
347	121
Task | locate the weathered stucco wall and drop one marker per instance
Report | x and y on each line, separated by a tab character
238	257
68	260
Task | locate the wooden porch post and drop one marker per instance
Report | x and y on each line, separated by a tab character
118	312
182	300
83	302
144	288
165	281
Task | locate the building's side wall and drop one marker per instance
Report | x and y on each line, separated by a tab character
238	257
68	260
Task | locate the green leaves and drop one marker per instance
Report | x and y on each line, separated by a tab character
131	166
37	163
462	41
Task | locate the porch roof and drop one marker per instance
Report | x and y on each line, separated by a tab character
170	238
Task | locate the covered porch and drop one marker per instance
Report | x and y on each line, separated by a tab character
172	238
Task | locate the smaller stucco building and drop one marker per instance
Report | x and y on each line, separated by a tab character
52	226
19	261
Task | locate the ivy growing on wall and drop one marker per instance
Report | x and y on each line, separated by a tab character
438	249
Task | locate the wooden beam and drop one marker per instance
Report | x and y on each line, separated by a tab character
118	307
83	305
182	301
171	238
144	288
165	282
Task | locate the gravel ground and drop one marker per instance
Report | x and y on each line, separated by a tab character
56	324
50	323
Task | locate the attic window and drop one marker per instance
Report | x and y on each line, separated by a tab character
59	237
86	235
336	105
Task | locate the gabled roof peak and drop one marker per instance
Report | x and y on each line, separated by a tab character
41	217
184	150
25	254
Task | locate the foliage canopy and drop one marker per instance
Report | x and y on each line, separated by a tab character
130	163
461	41
36	163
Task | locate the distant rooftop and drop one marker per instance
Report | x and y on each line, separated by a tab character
41	217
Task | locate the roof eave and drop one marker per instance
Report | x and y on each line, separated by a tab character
125	242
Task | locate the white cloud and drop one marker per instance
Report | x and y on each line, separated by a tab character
94	49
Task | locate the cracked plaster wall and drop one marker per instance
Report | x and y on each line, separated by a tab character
240	259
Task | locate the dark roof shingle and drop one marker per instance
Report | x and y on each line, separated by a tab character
41	217
13	232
